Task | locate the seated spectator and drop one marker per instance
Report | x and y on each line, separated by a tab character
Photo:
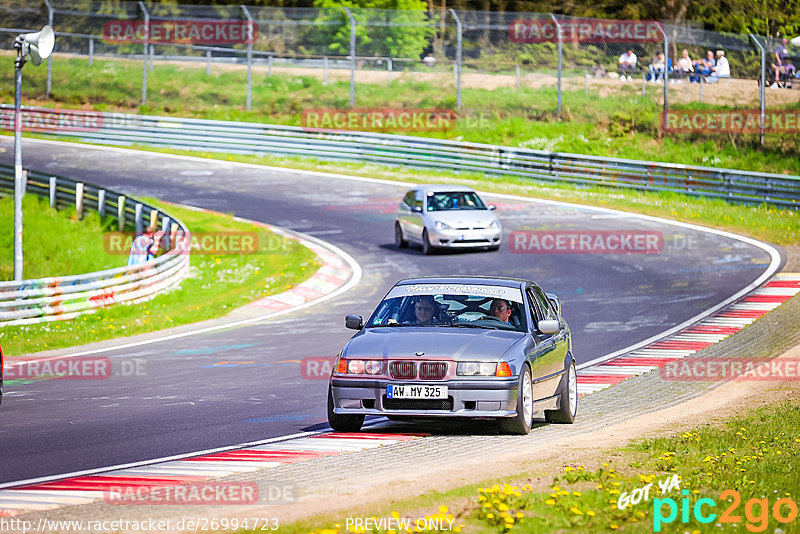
627	65
722	68
598	71
657	68
779	68
684	67
429	61
704	67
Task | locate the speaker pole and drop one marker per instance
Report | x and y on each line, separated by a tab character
19	186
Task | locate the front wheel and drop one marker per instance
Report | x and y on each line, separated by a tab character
343	423
522	422
427	248
399	241
568	399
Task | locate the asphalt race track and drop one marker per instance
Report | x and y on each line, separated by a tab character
187	398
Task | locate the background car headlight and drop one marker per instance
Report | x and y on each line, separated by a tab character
495	224
441	226
476	368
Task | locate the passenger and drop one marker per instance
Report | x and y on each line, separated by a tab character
425	310
501	309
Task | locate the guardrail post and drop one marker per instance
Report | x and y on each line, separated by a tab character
121	213
153	218
137	218
325	70
457	64
50	57
352	56
79	200
560	35
208	62
165	225
101	203
146	45
249	57
91	51
53	185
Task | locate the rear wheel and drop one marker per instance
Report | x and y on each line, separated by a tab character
522	422
340	422
399	241
568	399
427	248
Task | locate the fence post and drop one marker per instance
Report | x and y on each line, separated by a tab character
457	65
701	89
517	76
121	213
325	70
153	219
560	57
762	93
79	200
389	68
586	80
208	62
101	203
91	51
270	59
50	57
152	55
53	186
137	217
666	75
352	57
146	46
248	105
644	81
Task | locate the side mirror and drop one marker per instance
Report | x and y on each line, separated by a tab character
555	302
492	207
354	322
549	326
416	209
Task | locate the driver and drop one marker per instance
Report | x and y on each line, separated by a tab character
501	309
425	310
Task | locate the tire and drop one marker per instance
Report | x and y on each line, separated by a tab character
343	423
427	248
522	422
493	248
398	237
568	399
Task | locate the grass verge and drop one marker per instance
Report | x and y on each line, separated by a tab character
217	285
742	471
620	123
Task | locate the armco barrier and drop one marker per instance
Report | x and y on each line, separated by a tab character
66	297
263	139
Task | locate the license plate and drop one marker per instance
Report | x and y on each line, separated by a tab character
422	391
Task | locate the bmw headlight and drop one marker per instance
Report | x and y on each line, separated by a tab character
495	225
441	226
476	368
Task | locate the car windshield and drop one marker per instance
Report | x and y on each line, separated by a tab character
456	200
459	306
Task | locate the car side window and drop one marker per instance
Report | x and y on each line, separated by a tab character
417	199
544	304
408	200
534	304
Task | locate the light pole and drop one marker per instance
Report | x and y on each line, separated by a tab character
38	46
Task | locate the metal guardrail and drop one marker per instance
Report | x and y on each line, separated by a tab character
66	297
420	152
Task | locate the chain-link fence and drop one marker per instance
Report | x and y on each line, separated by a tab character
537	66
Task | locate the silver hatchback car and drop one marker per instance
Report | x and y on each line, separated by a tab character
446	216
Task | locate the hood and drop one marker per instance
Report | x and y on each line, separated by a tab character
436	342
465	218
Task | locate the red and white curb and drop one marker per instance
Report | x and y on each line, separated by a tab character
691	339
97	487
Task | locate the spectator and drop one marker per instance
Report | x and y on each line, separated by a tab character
704	67
429	61
684	67
598	71
143	247
627	64
779	68
657	68
722	68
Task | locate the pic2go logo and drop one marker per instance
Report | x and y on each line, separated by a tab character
756	511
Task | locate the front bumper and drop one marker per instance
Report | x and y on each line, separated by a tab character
494	397
465	238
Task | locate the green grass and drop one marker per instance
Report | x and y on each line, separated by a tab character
217	284
55	243
622	124
756	454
